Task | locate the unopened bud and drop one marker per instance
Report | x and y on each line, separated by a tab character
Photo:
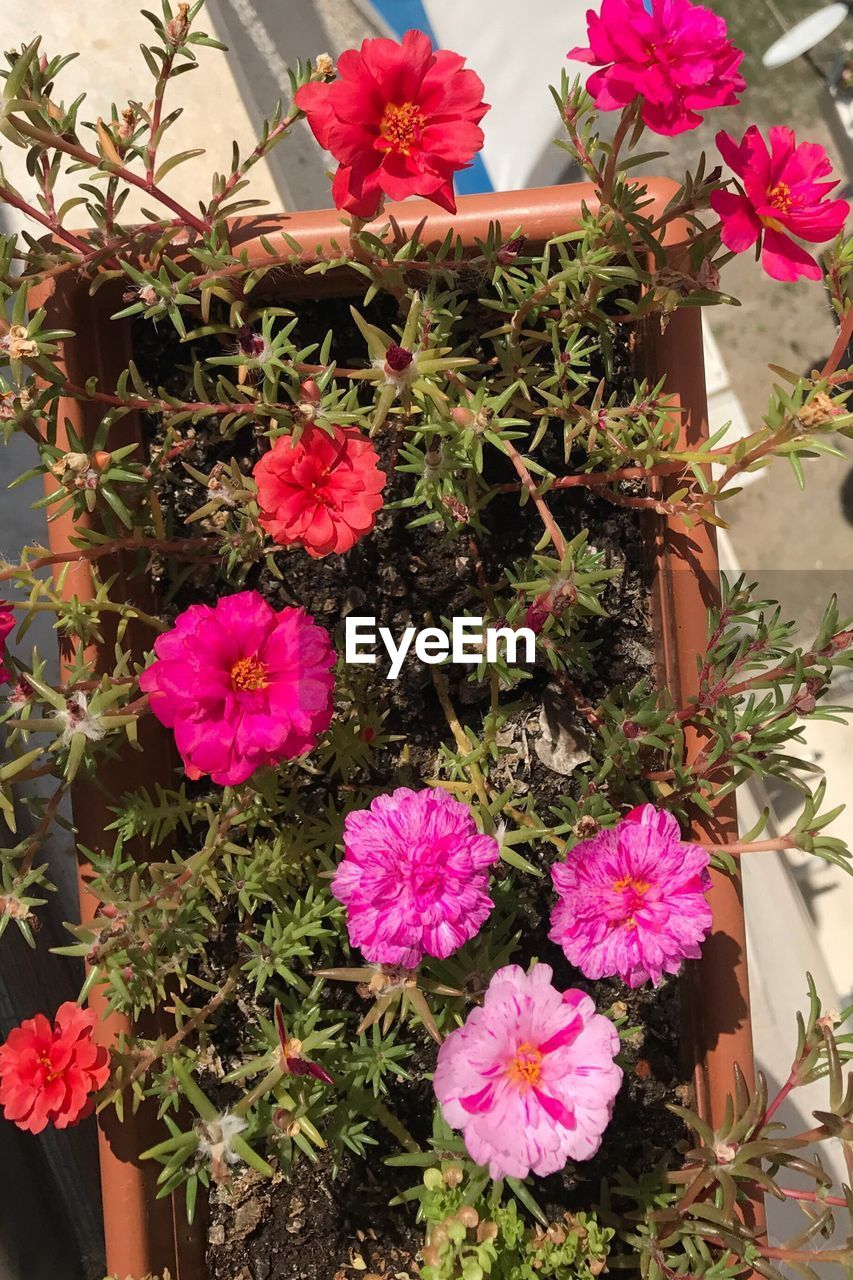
631	729
462	417
101	460
309	392
509	252
398	359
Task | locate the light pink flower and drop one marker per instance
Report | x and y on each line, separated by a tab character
678	59
530	1078
414	877
243	686
779	196
632	900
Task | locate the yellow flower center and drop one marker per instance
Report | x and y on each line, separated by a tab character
780	197
526	1067
628	882
44	1061
401	126
249	674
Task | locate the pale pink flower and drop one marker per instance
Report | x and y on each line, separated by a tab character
632	900
243	686
530	1078
677	58
414	878
780	196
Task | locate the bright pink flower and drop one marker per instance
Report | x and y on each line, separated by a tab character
678	59
530	1078
413	878
48	1074
322	492
7	626
400	120
242	686
780	196
632	900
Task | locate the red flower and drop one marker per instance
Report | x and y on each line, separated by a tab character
401	120
48	1074
322	492
7	625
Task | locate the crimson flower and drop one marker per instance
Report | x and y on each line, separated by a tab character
48	1074
292	1061
779	196
7	626
322	491
400	120
677	57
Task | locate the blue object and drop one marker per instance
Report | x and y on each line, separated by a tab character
402	15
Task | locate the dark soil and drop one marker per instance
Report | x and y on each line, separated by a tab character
311	1225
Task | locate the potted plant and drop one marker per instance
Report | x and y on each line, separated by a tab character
400	708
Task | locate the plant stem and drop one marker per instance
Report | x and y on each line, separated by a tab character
54	140
174	547
538	501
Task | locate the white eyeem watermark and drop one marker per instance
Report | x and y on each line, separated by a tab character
466	644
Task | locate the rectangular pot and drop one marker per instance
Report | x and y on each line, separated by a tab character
144	1235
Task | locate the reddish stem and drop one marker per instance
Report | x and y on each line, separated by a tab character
845	333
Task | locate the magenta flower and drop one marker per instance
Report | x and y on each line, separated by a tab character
632	900
413	878
243	686
678	59
530	1078
779	197
7	626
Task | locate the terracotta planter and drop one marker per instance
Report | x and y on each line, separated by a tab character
144	1235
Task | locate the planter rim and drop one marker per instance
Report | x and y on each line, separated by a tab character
144	1237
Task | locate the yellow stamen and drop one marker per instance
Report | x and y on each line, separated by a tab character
401	125
249	674
526	1067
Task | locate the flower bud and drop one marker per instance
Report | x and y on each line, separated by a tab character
309	391
631	729
101	460
462	417
468	1216
398	359
509	252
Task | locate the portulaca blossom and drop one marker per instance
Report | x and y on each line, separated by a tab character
530	1079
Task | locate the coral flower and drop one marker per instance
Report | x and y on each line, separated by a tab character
241	685
7	626
48	1074
321	492
632	900
530	1078
781	196
414	877
677	58
400	120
